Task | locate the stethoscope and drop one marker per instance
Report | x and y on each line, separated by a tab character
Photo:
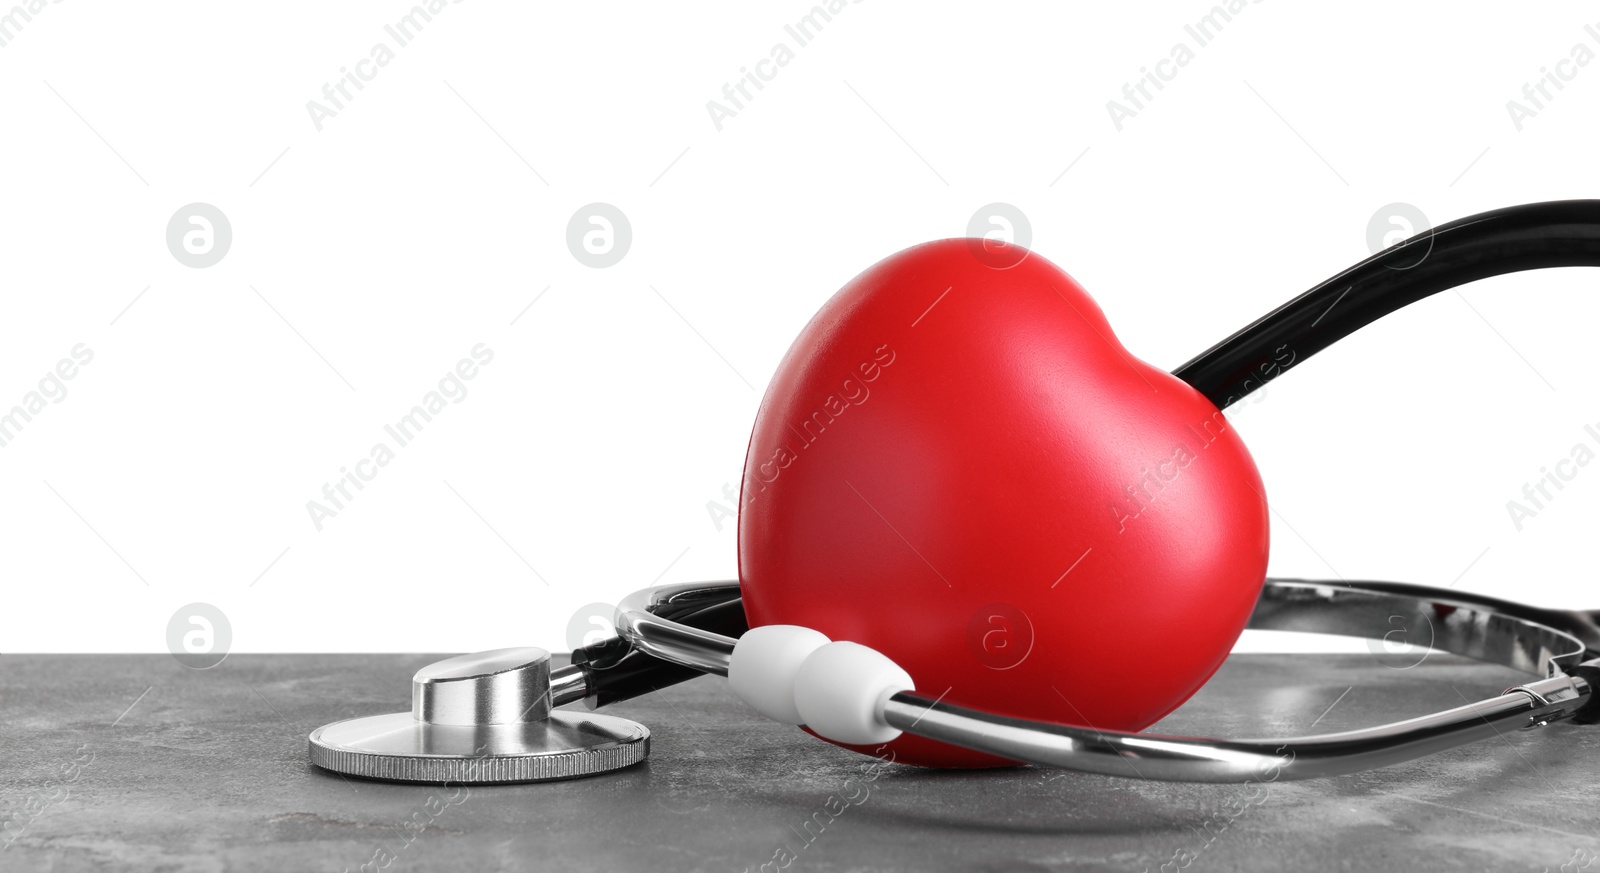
492	717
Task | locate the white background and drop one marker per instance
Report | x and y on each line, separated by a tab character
415	225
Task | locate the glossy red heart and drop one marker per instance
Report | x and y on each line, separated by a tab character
959	465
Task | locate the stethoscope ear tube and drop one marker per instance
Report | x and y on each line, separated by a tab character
1558	233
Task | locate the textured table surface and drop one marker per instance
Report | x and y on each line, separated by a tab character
136	762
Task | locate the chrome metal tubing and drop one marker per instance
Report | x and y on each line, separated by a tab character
1192	759
568	684
645	620
1479	628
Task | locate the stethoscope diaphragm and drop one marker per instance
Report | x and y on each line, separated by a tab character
482	718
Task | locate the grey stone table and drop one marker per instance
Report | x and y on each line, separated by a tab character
136	762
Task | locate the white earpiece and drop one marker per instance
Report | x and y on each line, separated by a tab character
795	675
763	666
841	689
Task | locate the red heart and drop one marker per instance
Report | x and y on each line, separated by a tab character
958	465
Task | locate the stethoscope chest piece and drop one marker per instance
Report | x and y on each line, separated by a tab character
480	719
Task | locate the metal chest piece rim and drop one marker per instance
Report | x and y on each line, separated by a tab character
481	719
